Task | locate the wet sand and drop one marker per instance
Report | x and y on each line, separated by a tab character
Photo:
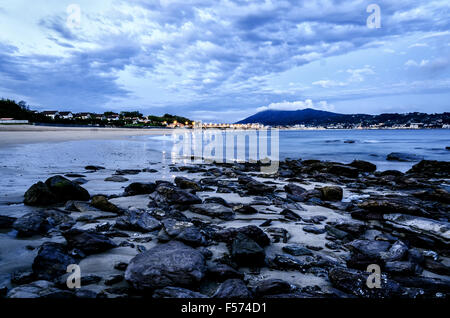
11	135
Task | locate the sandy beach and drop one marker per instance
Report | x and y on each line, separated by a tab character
24	134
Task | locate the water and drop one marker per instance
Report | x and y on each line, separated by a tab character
23	165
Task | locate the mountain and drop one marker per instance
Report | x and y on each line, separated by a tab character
312	117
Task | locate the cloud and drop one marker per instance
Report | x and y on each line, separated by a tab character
297	105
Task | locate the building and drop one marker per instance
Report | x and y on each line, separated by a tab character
66	115
83	116
51	114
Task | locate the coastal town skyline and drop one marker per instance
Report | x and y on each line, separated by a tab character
226	60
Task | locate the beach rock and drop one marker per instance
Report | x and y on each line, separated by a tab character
394	173
252	231
343	170
89	242
171	264
217	200
278	234
396	252
39	194
232	288
22	277
313	229
439	195
185	183
365	252
436	267
176	292
116	179
223	272
258	188
290	215
392	206
135	220
170	194
6	222
363	166
137	188
272	287
101	202
213	210
400	268
39	289
428	284
245	209
401	156
245	251
94	168
331	193
51	261
294	189
113	279
65	190
40	222
192	236
121	172
355	282
431	168
296	250
337	233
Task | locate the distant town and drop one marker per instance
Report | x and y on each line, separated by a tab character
19	113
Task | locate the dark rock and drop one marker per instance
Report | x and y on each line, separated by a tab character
245	209
294	189
192	236
6	222
296	250
436	267
176	292
173	195
440	195
174	227
337	233
355	282
232	288
171	264
246	251
114	279
365	252
65	190
94	168
88	242
278	234
39	289
431	168
394	173
137	221
217	200
396	252
272	287
101	202
363	166
223	272
255	233
51	261
343	170
185	183
331	193
40	222
122	172
290	215
213	210
39	195
137	188
400	268
21	278
257	188
405	157
314	229
428	284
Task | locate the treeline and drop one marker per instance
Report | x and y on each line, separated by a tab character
21	111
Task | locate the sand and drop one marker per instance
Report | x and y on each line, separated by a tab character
11	135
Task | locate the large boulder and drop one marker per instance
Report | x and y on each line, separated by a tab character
331	193
65	190
39	195
363	166
137	188
89	242
39	222
247	252
171	264
168	194
213	210
101	202
401	156
51	261
431	168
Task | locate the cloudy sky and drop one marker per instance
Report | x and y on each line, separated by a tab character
224	60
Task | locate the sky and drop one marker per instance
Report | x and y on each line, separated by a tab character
224	60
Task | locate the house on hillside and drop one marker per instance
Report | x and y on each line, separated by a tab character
113	117
51	114
66	115
83	116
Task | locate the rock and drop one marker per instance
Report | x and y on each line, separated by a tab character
433	285
349	141
121	172
121	266
21	278
223	272
431	168
39	195
255	233
355	228
176	292
257	188
101	202
65	190
116	179
290	215
296	250
355	282
113	279
51	261
39	289
171	264
391	206
88	242
294	189
366	252
40	222
405	157
314	229
169	194
287	262
80	181
394	173
245	209
213	210
217	200
331	193
185	183
94	168
232	288
137	221
6	222
272	287
339	234
436	267
343	170
137	188
400	268
397	252
246	251
174	227
440	195
363	166
278	234
192	236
